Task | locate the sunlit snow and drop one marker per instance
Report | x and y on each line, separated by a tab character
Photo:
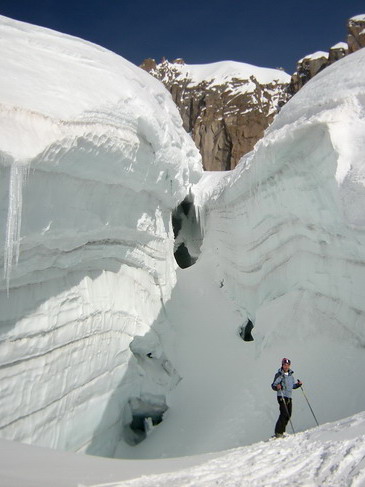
99	328
218	73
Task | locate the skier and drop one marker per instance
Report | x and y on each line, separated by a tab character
284	383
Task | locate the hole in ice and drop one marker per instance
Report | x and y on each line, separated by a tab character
186	206
187	233
245	331
183	258
142	414
176	223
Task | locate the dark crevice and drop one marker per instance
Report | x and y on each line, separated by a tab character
187	233
246	331
186	206
144	413
176	224
183	258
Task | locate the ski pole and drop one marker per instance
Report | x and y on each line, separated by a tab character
310	407
287	410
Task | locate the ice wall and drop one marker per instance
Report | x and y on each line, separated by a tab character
284	233
93	158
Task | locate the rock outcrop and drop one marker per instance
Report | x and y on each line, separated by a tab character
312	64
308	67
225	106
356	33
338	51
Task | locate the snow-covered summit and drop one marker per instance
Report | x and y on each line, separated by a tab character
224	71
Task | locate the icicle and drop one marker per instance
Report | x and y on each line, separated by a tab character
18	175
200	213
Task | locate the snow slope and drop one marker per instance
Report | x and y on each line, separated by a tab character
332	455
93	157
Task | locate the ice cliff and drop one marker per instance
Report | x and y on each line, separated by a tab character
285	231
93	157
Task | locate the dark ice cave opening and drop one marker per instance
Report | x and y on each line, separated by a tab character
144	413
187	233
182	257
246	331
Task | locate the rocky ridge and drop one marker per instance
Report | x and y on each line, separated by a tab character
225	106
312	64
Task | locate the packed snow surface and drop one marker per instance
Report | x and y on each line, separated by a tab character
332	456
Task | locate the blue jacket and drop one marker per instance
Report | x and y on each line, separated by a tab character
287	383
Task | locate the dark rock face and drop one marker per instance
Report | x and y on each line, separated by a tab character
356	33
225	115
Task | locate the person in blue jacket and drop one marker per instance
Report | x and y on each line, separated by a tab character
284	383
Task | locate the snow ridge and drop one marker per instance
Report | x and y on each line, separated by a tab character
220	72
332	455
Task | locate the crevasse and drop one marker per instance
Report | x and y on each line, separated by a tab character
98	328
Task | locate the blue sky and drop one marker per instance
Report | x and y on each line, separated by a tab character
266	33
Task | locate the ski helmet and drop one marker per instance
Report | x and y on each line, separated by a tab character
285	361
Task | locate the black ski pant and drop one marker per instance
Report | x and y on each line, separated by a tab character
285	407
